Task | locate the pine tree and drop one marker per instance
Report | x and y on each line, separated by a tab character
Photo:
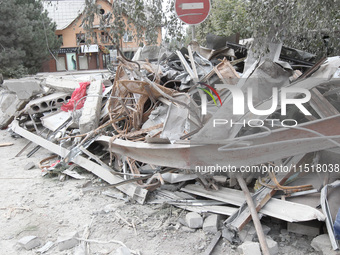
26	38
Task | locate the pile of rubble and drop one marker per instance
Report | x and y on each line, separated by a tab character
148	127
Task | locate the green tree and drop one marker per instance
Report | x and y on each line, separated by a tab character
141	19
26	38
312	26
307	25
226	17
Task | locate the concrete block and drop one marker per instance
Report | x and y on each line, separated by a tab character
194	220
272	246
249	248
61	84
24	88
309	228
91	111
29	242
47	103
68	241
322	244
211	223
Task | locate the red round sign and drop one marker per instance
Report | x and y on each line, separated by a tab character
192	11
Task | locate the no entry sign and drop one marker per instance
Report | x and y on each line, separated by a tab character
192	11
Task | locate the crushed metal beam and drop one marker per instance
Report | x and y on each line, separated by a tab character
281	143
135	192
276	208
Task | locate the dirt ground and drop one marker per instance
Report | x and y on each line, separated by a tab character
48	208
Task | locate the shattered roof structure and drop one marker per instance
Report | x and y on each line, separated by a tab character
63	13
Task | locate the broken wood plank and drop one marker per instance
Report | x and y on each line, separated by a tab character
213	243
6	144
254	215
239	219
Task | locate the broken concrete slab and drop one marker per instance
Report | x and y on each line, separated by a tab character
29	242
309	228
24	88
91	112
68	241
54	120
249	248
10	107
194	220
47	103
322	244
61	84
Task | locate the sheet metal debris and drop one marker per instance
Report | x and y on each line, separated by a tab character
151	122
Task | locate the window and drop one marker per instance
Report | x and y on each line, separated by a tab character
83	64
104	37
127	37
80	38
61	64
60	38
94	37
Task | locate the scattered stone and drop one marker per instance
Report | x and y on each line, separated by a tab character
272	246
46	247
80	249
210	224
122	251
182	222
194	220
186	229
109	208
309	228
29	242
249	248
29	166
248	233
284	231
322	244
266	229
68	241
